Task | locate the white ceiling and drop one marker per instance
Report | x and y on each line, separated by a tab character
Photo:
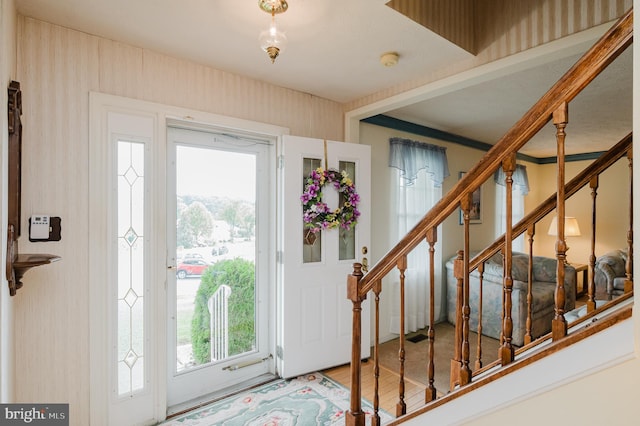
333	52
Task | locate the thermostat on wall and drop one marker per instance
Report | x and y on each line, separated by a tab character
44	228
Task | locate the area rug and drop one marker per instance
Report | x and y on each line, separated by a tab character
312	399
417	355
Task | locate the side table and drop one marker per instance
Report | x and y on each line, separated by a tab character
581	285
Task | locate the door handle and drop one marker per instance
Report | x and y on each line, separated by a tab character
365	261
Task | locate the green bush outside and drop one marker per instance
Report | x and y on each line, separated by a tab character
239	275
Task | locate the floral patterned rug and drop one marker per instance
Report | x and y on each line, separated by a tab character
312	399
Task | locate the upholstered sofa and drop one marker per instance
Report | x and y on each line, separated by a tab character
609	274
544	283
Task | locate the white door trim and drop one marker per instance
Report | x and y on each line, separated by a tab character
100	105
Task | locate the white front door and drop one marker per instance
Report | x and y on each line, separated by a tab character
220	227
315	317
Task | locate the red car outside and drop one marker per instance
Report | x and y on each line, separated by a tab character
192	267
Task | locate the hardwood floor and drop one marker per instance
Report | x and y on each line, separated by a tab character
388	386
388	383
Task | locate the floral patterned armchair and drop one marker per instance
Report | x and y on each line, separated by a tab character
610	274
544	284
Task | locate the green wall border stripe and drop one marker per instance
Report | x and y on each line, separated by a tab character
418	129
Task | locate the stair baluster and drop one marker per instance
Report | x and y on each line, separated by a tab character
528	337
401	406
430	393
375	419
465	371
479	329
628	283
591	289
559	324
456	361
506	351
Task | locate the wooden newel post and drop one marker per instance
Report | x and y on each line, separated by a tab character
355	415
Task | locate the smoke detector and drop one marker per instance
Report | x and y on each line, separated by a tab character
389	59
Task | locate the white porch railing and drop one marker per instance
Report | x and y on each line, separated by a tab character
219	319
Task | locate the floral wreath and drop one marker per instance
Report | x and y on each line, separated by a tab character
316	215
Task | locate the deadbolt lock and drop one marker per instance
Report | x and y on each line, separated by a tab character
365	261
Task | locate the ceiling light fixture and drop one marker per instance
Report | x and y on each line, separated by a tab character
273	40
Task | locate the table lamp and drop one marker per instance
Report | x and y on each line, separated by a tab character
571	228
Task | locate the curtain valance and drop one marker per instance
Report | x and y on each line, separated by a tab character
411	156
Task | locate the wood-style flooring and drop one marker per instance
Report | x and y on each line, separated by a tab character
388	383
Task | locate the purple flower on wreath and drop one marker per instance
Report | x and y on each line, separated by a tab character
317	215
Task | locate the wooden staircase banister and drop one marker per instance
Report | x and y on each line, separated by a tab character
574	185
585	70
553	104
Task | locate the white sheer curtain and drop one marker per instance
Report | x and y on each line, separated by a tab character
416	187
520	189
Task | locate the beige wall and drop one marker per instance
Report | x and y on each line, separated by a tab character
58	68
612	210
7	73
608	397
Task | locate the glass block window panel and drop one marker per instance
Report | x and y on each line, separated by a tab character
347	240
311	243
130	303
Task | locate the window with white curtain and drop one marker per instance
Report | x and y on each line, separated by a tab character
416	185
520	189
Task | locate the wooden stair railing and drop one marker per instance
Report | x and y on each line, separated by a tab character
528	225
552	105
588	176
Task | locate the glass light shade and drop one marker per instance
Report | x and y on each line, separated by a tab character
273	41
571	228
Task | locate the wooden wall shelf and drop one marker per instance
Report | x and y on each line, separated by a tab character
24	262
17	264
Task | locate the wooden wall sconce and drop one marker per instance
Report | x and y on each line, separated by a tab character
17	264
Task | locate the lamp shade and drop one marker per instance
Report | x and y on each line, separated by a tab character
571	228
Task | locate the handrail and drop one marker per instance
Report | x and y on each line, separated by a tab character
588	67
574	185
